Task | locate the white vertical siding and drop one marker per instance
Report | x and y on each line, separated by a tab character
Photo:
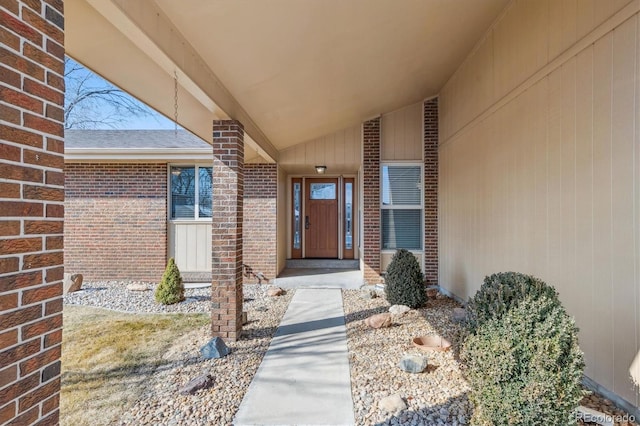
190	245
402	134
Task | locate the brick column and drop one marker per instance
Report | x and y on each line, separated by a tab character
371	196
260	219
228	182
431	191
31	210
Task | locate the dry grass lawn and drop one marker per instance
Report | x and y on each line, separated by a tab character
107	357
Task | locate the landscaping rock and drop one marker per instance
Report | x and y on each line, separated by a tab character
368	294
76	282
201	382
458	315
137	287
66	283
413	364
275	291
72	283
392	404
399	310
379	320
216	348
432	293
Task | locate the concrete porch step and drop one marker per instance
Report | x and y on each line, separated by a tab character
322	264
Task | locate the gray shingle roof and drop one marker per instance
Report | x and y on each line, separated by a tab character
132	139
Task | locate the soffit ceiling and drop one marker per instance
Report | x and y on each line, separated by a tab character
305	68
299	69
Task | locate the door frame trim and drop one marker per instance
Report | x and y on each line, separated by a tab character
356	214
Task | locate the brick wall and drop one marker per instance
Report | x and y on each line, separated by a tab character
371	199
226	229
431	191
259	249
31	209
116	221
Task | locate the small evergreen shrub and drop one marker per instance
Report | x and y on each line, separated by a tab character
404	282
503	290
170	290
521	353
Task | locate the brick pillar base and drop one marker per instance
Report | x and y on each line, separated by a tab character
431	191
371	195
228	181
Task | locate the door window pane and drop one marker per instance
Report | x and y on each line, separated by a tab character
323	191
402	229
183	189
205	190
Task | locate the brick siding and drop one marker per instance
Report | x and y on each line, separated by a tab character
226	230
259	220
116	221
431	191
371	198
31	210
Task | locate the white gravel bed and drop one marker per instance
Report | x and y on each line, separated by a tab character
115	295
162	404
437	396
434	397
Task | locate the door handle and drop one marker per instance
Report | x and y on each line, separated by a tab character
306	222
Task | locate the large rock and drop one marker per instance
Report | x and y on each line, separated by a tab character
72	283
216	348
413	364
392	404
275	291
459	315
368	294
399	310
66	283
201	382
379	320
137	287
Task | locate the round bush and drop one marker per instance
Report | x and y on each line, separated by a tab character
404	282
501	291
170	290
522	359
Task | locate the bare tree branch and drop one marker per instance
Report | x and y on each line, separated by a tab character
91	102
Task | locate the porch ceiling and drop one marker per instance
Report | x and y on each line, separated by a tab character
297	69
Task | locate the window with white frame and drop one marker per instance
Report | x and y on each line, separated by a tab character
402	206
191	191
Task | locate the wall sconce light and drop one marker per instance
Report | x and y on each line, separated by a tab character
321	169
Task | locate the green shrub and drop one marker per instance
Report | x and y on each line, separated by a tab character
501	291
170	290
523	361
404	282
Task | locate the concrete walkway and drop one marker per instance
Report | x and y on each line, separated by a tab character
304	376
